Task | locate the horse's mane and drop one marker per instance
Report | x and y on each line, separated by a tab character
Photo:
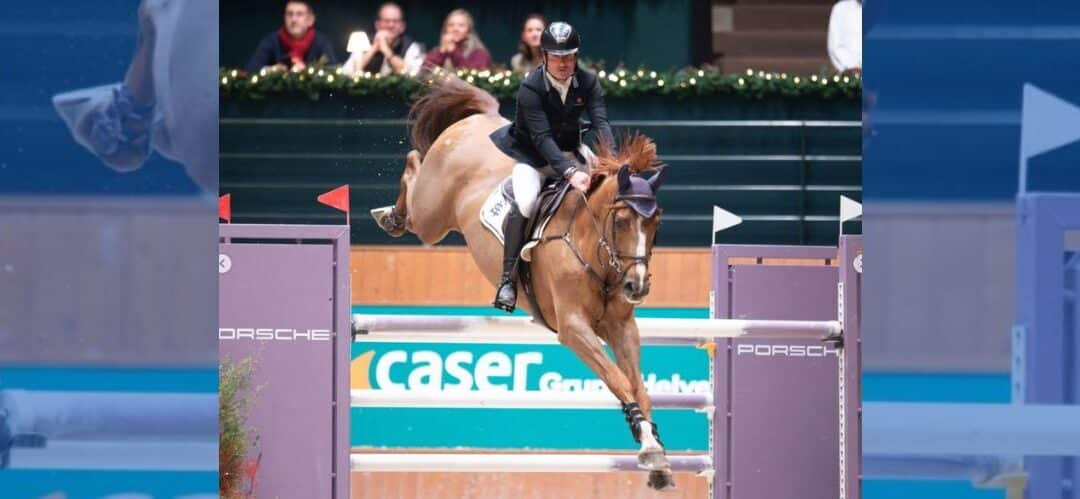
638	152
448	100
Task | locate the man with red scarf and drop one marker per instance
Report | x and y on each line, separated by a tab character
293	46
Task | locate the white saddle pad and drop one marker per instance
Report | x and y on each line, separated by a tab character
494	212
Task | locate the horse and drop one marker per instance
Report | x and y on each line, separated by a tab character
591	268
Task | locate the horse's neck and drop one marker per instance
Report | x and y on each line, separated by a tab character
588	223
584	235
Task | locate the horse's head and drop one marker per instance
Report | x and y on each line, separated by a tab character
632	217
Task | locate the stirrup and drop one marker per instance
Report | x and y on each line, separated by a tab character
507	306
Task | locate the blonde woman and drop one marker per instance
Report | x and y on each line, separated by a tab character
459	47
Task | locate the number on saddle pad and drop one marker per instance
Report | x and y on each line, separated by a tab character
495	209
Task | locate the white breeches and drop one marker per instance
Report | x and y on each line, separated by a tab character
527	180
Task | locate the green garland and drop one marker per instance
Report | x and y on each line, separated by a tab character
619	83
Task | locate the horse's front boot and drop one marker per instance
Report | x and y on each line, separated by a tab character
506	294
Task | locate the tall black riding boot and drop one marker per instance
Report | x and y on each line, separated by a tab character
506	294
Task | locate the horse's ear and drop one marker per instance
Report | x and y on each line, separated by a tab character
624	178
657	180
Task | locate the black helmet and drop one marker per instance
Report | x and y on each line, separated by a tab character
560	39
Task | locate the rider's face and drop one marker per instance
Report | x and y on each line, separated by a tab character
561	66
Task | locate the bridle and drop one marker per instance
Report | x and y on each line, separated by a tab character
614	261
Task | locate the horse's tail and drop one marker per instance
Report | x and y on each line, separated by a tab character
449	100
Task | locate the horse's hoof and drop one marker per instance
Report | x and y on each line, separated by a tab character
389	221
653	461
661	481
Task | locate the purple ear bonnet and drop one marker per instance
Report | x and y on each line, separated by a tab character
640	187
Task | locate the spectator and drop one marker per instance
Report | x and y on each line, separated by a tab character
295	45
845	36
459	47
391	49
528	57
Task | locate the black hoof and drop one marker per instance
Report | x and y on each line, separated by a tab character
661	481
653	461
389	220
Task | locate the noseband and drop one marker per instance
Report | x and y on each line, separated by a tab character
615	258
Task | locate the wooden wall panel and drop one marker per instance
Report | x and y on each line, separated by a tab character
625	485
414	275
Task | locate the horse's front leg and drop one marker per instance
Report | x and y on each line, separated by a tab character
576	334
625	342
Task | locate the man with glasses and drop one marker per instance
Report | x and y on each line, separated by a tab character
391	49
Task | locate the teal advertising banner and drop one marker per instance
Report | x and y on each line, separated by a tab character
516	367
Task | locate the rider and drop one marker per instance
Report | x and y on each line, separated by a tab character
544	137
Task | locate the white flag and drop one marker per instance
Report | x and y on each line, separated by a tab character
849	209
723	219
1048	122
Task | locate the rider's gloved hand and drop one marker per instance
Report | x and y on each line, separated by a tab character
580	180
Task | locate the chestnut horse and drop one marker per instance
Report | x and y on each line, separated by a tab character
587	283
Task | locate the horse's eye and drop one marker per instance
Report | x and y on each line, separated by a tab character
621	223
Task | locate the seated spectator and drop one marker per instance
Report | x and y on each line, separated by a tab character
459	47
845	36
392	51
295	45
528	57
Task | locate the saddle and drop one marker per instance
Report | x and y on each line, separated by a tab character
493	215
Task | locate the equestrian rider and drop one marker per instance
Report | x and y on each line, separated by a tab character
544	137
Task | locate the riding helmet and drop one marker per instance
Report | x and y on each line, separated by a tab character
560	39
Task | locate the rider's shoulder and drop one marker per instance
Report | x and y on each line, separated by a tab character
534	80
586	78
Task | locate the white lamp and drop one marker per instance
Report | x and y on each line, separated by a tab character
358	42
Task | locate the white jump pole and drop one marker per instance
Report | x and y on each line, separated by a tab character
110	415
94	455
520	400
934	430
506	329
519	463
110	430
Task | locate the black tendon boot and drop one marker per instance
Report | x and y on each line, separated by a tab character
506	294
634	418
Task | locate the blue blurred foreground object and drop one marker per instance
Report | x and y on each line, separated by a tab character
108	378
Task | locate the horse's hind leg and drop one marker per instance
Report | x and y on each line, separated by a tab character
625	343
394	219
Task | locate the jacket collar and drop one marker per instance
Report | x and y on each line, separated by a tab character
547	84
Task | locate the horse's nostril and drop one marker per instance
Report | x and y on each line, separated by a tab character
629	288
